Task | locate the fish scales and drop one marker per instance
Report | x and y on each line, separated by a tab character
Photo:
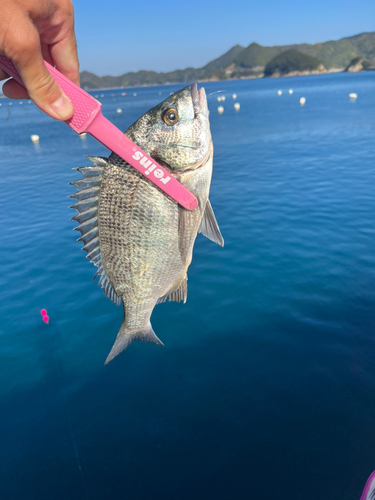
145	238
139	227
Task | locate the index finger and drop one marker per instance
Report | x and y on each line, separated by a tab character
65	58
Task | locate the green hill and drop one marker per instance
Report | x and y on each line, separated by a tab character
332	54
292	61
357	64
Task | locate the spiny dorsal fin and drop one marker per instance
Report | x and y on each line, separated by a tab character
97	161
178	295
87	217
209	226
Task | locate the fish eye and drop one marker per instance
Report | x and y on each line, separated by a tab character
170	116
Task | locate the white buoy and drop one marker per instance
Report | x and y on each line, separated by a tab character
10	104
237	106
20	103
223	97
159	93
234	96
0	103
83	135
96	96
220	110
29	102
353	95
290	91
135	94
34	138
101	95
119	110
279	92
302	101
219	98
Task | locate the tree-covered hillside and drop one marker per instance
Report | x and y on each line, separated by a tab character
292	61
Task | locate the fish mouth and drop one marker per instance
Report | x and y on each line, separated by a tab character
199	99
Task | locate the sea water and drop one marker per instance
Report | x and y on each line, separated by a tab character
266	384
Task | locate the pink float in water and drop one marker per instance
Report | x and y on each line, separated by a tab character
43	312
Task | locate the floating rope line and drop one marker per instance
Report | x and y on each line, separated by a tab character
75	447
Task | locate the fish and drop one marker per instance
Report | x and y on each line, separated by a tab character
140	240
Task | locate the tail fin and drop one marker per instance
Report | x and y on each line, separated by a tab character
124	339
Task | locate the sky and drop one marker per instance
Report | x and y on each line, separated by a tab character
117	36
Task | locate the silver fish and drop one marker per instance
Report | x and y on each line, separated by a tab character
141	240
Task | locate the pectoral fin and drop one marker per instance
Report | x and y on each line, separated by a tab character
209	226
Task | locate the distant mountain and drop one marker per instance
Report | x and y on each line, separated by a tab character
256	55
91	81
249	62
333	54
226	59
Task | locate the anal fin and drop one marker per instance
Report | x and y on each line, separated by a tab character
178	295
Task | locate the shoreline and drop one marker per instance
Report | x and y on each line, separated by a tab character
252	77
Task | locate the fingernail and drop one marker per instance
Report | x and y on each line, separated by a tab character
63	107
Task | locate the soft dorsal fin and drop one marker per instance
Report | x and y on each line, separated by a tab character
177	295
87	217
209	226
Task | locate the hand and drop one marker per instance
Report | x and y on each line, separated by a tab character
33	30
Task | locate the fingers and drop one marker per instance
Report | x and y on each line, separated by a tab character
14	90
26	54
33	30
11	88
3	75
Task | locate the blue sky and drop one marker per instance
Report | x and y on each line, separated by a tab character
118	36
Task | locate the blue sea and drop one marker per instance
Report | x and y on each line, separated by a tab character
265	387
